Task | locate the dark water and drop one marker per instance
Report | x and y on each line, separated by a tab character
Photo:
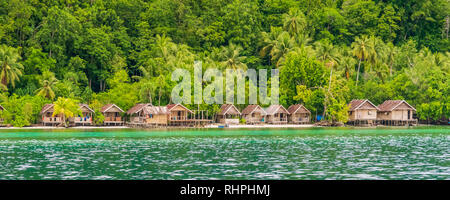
314	153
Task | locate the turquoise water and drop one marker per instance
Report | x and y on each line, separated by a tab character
310	153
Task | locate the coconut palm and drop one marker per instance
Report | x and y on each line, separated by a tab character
361	49
161	84
283	45
326	53
66	108
164	46
294	22
231	58
270	40
47	84
146	85
391	52
347	64
10	68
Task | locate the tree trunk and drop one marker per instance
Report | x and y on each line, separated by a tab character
159	97
150	97
357	73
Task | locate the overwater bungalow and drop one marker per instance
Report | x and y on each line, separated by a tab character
298	114
85	119
179	114
112	114
138	113
157	115
276	114
47	118
253	114
362	112
396	112
228	114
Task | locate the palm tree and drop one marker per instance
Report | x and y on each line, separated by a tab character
231	57
391	52
294	22
326	53
161	83
147	86
66	108
10	68
283	45
270	40
47	85
164	46
347	63
361	48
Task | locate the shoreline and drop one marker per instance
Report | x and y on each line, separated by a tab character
211	126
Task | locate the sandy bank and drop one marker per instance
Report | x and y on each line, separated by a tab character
265	126
75	127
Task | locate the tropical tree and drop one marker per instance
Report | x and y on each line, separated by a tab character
231	57
66	108
269	40
391	52
361	49
347	64
10	68
326	53
48	83
284	44
294	22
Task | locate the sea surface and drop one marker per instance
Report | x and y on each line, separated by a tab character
305	153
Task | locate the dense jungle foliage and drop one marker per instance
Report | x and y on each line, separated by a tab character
123	51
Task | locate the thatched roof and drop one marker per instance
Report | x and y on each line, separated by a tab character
390	105
156	110
106	107
86	106
298	108
253	108
45	108
137	108
357	103
229	109
273	109
171	106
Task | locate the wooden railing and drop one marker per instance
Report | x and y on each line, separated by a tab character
178	118
113	119
51	119
231	121
82	119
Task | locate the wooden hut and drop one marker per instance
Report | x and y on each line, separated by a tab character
228	114
298	114
179	115
396	112
138	113
276	114
157	115
85	118
362	112
47	117
254	114
112	114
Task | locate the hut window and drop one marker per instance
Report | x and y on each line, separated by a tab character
351	113
370	112
253	114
